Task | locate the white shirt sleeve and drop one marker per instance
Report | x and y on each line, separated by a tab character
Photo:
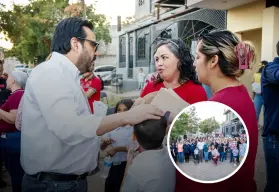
58	107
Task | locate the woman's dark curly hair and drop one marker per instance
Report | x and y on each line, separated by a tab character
186	60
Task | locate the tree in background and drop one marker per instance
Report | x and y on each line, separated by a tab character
128	21
186	123
30	28
208	125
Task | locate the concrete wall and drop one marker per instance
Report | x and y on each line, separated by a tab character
246	17
253	22
255	37
142	10
108	52
106	60
270	33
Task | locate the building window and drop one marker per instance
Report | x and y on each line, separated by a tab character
131	46
141	47
141	2
122	49
166	34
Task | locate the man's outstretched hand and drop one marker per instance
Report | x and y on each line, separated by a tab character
141	113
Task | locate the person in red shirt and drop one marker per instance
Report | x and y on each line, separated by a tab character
220	59
8	111
174	64
92	87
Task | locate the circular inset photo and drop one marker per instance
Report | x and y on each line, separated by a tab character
208	142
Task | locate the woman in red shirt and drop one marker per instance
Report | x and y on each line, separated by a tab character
10	138
220	59
174	65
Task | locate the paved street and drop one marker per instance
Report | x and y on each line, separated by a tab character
96	184
207	171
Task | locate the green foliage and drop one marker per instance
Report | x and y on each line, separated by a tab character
128	21
186	122
208	125
30	28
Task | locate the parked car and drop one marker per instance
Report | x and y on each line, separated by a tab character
106	72
21	67
108	78
29	71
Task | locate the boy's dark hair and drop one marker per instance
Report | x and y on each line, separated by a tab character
65	31
277	48
150	133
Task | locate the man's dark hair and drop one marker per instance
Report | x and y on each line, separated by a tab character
150	134
277	48
1	62
66	30
264	63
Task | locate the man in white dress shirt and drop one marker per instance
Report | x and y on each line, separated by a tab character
59	142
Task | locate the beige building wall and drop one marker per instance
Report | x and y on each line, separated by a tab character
255	37
270	33
247	21
246	17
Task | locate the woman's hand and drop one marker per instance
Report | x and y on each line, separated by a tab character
147	99
138	101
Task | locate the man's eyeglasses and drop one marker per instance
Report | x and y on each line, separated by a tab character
93	43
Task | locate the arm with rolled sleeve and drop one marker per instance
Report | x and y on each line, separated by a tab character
95	87
56	102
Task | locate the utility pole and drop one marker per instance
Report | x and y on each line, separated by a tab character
83	9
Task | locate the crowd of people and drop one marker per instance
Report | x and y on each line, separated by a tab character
52	137
205	149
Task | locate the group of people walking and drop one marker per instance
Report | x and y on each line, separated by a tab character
207	149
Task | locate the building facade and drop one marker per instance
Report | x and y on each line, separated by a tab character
232	126
154	20
107	53
252	20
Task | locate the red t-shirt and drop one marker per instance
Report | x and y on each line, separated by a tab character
94	83
12	103
189	91
239	100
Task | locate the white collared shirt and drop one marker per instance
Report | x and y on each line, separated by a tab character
58	129
200	145
121	137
